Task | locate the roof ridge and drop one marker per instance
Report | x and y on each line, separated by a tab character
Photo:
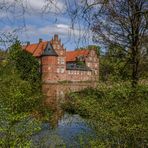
37	42
77	50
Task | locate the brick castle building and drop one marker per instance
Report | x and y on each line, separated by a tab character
57	64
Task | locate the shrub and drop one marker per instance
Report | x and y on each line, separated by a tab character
21	99
117	113
28	66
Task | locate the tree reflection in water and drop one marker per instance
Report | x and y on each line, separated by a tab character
55	96
63	129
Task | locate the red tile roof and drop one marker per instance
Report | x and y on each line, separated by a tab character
36	49
71	55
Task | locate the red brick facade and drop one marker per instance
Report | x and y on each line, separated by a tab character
57	64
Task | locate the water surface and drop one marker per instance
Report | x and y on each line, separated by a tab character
63	129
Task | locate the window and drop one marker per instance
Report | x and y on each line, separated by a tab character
89	73
49	67
58	70
61	52
62	70
88	64
61	61
58	60
96	65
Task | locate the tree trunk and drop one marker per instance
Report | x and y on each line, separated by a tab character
135	67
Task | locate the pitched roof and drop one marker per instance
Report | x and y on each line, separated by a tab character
71	55
36	49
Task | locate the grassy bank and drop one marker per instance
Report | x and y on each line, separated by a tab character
117	113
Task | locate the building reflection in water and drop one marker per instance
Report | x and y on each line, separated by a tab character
55	95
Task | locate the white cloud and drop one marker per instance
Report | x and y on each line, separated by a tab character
32	32
66	33
62	26
54	6
20	11
61	29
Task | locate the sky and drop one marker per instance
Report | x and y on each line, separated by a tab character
34	19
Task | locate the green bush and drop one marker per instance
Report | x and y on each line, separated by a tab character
17	103
20	98
17	94
116	112
28	66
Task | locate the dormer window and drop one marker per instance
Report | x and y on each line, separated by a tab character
49	50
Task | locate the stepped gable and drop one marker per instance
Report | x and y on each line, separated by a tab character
57	64
40	48
57	45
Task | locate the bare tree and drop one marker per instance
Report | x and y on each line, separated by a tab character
119	22
11	11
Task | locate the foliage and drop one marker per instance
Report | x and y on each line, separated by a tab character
17	102
27	65
80	63
97	48
90	47
122	23
20	98
114	64
14	90
3	53
116	112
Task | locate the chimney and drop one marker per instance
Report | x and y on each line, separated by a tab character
56	37
40	40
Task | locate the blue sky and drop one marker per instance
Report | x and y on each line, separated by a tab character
38	21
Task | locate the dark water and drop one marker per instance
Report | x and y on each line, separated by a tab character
63	129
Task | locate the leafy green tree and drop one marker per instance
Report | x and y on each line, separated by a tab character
90	47
27	65
115	64
17	102
144	60
20	98
121	22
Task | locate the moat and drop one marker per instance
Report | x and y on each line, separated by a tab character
63	129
